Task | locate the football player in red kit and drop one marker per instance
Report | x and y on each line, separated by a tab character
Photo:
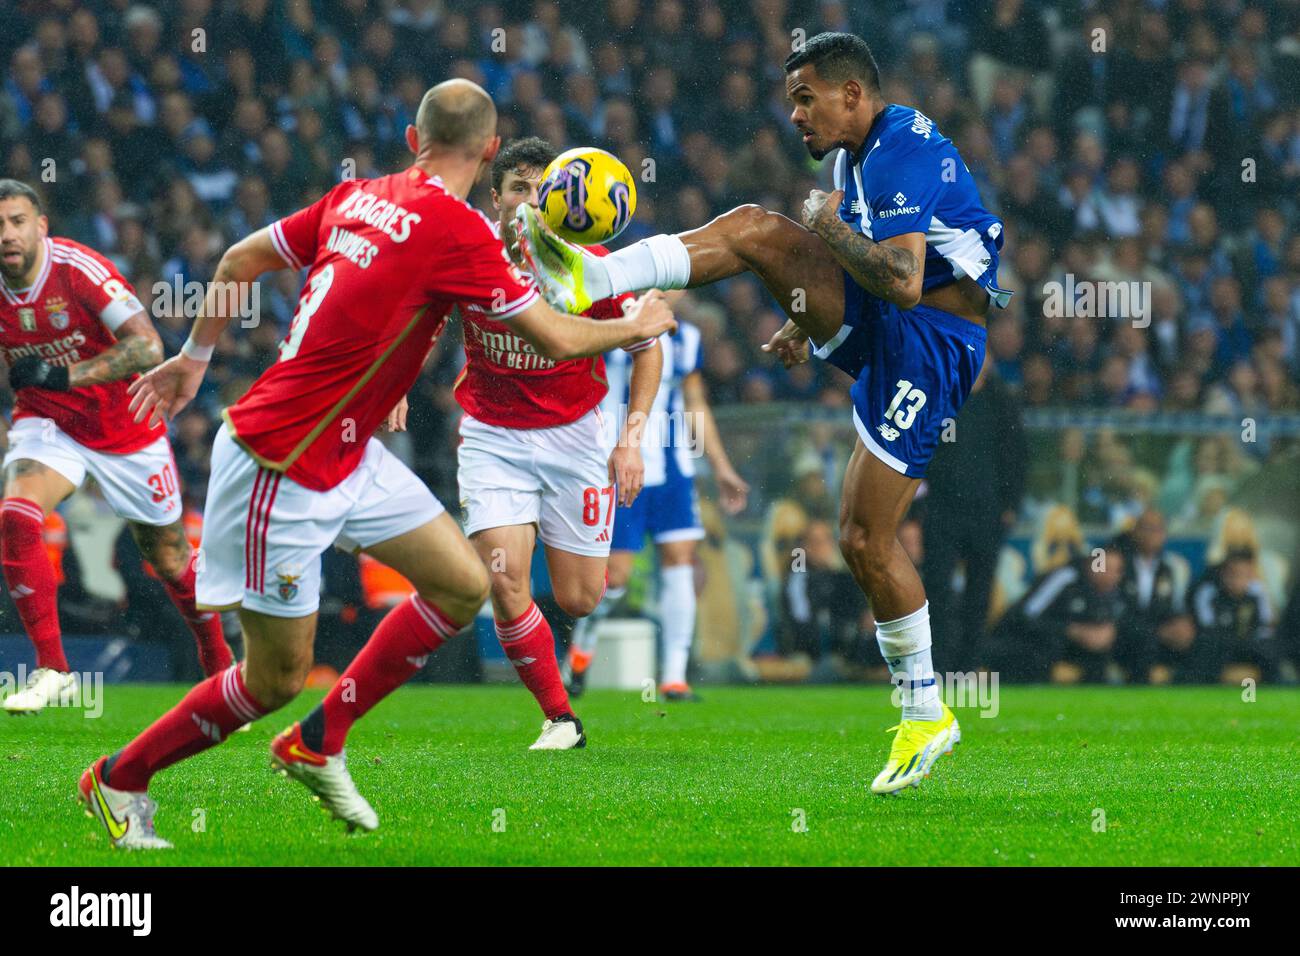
297	469
74	335
535	462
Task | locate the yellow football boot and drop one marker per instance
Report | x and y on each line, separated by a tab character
917	745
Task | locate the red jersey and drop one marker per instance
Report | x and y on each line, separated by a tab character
387	258
505	382
67	315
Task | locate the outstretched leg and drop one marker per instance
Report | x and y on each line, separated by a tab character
794	264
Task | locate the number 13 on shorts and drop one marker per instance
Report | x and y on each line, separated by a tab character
591	505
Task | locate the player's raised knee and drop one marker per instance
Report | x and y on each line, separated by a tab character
751	220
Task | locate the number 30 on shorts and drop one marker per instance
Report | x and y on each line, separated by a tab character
163	483
591	505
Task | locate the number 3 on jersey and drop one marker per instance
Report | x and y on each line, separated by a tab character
307	305
903	417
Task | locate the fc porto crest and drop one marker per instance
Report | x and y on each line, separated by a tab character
57	310
288	578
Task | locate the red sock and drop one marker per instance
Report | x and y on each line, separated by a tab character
530	645
213	709
214	652
30	578
401	644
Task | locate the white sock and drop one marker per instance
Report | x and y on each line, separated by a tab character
584	631
660	262
677	616
905	644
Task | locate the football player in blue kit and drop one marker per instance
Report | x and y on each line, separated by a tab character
889	277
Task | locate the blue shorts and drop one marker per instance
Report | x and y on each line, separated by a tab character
667	512
914	370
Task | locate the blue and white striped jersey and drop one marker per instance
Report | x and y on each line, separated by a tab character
666	435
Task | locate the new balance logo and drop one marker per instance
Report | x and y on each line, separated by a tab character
855	207
886	432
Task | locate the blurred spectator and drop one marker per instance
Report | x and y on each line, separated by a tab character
1065	628
1234	621
1156	630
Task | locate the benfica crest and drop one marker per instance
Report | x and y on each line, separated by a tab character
58	312
288	589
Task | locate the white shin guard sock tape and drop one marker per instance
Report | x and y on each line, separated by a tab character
660	262
905	643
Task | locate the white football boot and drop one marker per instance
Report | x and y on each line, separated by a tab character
562	733
45	687
325	776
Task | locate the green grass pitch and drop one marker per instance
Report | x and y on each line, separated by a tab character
770	776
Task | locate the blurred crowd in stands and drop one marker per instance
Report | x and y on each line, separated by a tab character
1152	143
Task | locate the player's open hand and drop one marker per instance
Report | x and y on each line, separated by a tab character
821	209
627	471
734	492
160	394
789	344
396	421
652	315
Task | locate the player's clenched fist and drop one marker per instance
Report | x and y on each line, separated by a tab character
821	209
32	372
653	316
164	391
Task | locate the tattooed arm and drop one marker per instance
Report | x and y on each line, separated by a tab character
137	348
891	269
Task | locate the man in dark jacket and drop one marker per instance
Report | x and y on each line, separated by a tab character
974	486
1234	621
1156	624
1064	628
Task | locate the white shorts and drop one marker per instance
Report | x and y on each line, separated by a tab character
141	486
556	478
263	533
